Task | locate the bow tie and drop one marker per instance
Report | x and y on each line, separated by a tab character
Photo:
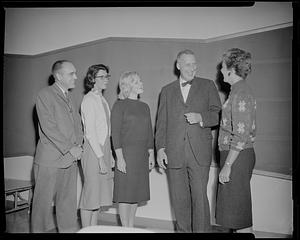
186	82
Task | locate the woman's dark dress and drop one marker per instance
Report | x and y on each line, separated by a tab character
132	132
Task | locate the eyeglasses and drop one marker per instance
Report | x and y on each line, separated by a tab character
103	77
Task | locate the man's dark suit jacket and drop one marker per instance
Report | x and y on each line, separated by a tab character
172	127
59	128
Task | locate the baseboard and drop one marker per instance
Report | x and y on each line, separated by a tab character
140	221
168	226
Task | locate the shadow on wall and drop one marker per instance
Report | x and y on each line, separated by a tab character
223	88
176	72
36	129
36	124
51	80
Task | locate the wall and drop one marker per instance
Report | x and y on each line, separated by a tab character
272	209
154	60
35	31
271	81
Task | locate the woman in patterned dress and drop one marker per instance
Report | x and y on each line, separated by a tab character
236	138
132	138
97	160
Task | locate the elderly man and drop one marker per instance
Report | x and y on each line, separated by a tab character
188	108
58	149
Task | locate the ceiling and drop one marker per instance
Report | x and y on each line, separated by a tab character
31	31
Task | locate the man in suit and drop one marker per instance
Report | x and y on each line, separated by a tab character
188	108
57	152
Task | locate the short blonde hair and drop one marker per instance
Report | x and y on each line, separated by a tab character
126	82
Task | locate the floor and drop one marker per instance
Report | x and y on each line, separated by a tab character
19	222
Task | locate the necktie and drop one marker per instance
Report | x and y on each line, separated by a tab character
186	82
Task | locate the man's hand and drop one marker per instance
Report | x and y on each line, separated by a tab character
76	152
193	118
151	160
162	158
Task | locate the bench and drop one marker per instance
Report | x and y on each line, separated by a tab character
14	187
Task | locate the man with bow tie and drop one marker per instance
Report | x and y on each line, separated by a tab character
57	152
188	108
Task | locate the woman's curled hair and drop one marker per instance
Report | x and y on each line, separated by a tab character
239	60
89	80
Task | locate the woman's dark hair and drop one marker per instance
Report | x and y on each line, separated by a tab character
89	80
239	60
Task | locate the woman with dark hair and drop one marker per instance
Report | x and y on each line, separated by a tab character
97	160
236	138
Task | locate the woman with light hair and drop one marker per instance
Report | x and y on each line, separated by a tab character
132	138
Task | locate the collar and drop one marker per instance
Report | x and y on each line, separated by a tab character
96	92
65	92
181	81
237	84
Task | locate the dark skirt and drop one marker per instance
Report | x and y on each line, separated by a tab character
133	187
234	206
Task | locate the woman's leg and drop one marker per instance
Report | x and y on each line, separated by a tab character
86	217
124	211
94	217
132	212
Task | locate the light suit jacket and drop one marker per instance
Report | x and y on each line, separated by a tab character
96	126
60	128
172	127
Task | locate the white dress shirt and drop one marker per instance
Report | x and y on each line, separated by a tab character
184	90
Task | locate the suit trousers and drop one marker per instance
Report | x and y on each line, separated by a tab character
58	185
188	191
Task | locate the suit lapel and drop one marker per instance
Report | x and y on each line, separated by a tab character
177	91
61	95
59	92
